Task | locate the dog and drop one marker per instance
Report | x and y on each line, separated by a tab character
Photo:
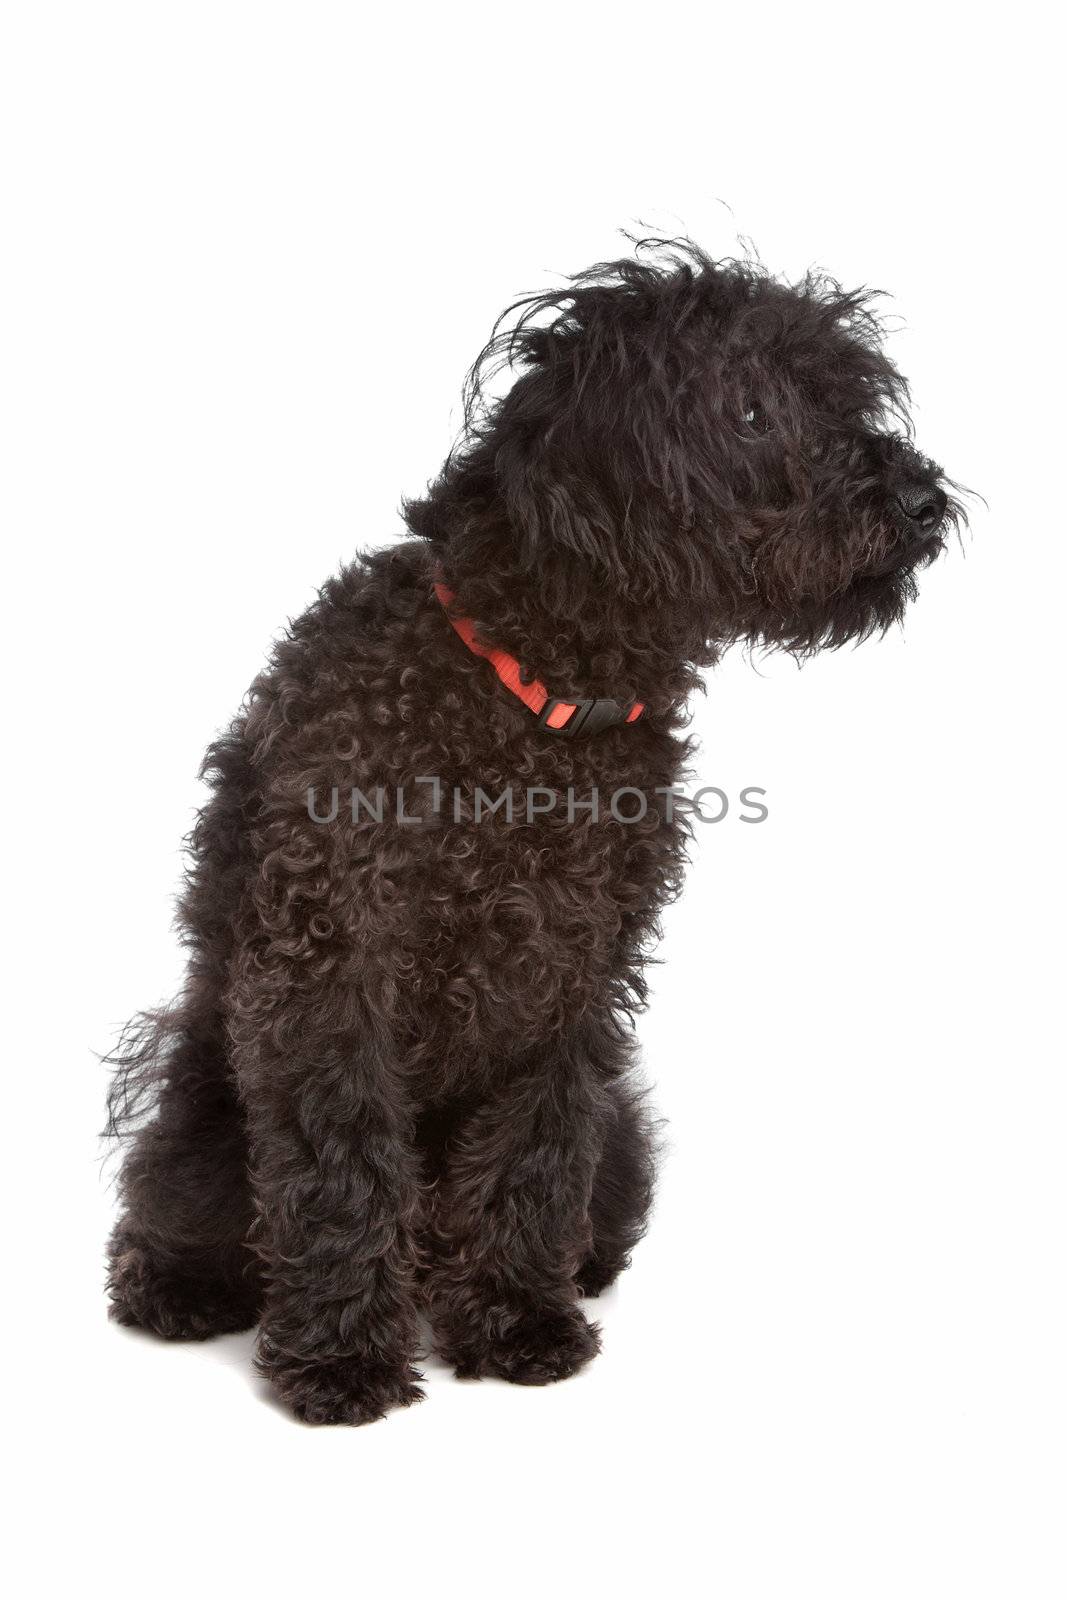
399	1083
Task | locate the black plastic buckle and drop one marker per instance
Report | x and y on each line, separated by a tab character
588	716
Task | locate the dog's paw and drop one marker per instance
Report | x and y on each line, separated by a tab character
537	1347
347	1390
147	1293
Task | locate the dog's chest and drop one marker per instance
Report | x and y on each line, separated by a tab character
509	908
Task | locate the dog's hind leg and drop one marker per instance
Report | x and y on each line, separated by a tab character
179	1263
622	1188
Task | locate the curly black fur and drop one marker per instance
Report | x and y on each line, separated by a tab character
400	1073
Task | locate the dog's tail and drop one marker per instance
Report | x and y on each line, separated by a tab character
139	1067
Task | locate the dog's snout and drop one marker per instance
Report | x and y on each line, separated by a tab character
922	505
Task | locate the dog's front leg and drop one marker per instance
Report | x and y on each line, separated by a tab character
335	1181
512	1223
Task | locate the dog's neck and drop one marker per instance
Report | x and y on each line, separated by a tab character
566	627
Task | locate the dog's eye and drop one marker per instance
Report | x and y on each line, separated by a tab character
755	417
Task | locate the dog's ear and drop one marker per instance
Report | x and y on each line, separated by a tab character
590	455
529	450
591	452
549	468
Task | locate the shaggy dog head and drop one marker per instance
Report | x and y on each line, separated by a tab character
691	432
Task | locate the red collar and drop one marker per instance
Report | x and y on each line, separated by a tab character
561	716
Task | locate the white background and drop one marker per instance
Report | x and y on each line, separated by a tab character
250	251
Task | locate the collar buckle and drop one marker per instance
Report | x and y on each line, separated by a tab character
587	716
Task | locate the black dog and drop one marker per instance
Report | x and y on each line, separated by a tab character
399	1076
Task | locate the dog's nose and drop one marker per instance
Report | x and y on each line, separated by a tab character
922	505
